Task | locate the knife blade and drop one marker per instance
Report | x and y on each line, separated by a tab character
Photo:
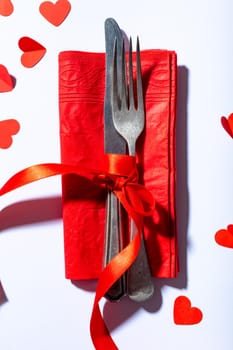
113	143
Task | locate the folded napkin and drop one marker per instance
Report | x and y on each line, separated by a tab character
81	105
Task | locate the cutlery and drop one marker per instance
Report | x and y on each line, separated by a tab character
113	143
129	122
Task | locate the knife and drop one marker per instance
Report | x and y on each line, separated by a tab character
113	143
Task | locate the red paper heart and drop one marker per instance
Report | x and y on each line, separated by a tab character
6	7
227	124
224	237
33	51
6	81
55	13
184	313
8	128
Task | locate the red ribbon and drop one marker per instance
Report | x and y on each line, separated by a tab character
118	172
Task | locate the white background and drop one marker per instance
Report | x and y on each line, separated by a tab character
39	308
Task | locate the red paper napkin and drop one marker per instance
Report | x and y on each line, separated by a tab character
81	102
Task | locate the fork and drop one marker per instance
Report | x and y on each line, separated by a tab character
129	122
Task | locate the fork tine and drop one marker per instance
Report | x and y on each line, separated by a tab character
131	89
119	83
114	92
139	78
122	77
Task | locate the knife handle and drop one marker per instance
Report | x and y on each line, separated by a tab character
114	242
139	281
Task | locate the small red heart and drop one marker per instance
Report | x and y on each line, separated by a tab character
6	81
6	7
227	124
224	237
55	13
184	313
8	128
33	51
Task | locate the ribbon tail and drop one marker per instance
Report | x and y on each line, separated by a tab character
99	333
117	266
35	173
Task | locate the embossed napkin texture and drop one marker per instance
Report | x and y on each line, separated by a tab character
81	106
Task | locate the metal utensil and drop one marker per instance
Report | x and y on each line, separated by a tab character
129	122
113	143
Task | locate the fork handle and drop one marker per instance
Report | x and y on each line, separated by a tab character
114	242
139	281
